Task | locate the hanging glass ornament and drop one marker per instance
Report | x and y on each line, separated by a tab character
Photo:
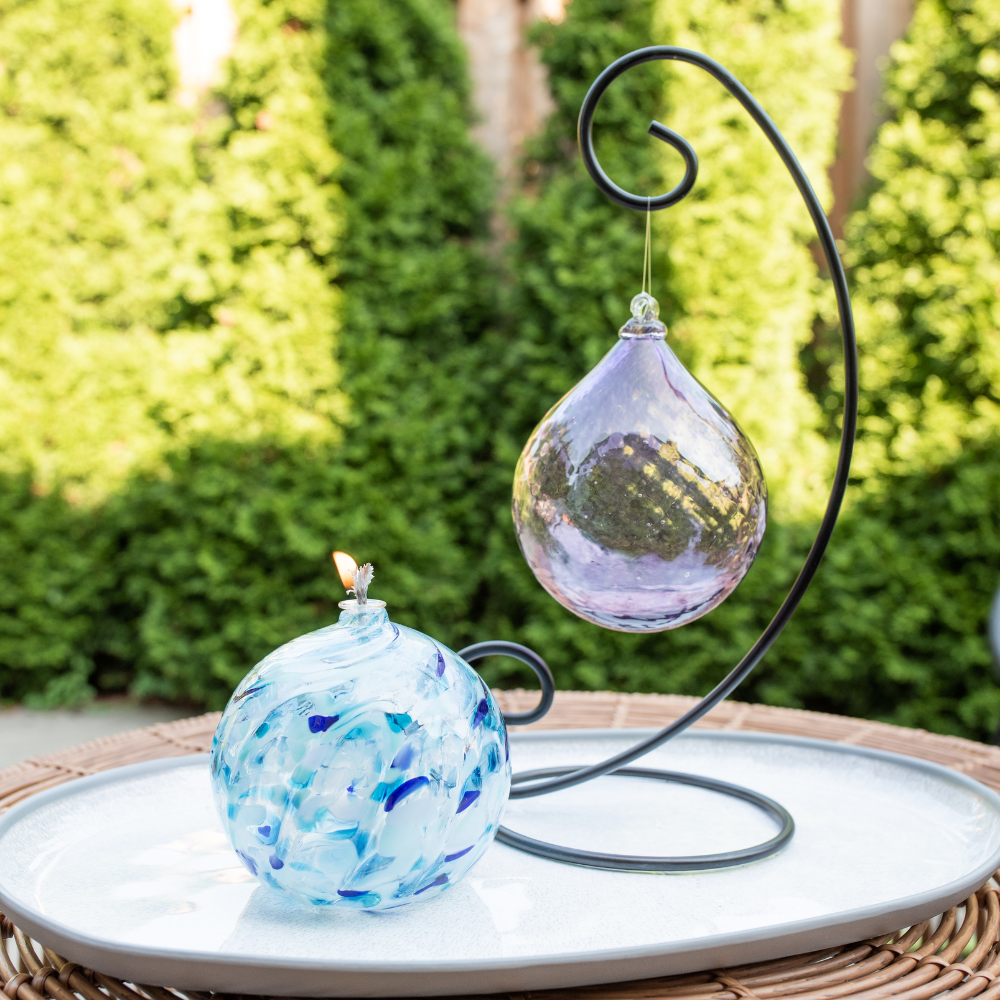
639	504
363	765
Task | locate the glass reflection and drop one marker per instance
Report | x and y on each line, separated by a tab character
639	504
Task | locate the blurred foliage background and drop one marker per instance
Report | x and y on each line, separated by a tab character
297	317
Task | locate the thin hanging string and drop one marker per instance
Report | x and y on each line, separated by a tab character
647	253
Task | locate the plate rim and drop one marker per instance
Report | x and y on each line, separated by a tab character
912	906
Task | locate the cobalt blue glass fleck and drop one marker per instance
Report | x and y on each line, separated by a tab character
363	765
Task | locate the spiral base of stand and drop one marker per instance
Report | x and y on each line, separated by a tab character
639	863
618	862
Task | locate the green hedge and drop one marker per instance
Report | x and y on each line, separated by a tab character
231	343
171	561
924	250
166	271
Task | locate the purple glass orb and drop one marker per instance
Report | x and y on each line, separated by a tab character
639	504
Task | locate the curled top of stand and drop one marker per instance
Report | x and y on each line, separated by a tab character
585	137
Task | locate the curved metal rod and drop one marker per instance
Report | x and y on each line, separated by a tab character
850	420
585	128
638	863
498	647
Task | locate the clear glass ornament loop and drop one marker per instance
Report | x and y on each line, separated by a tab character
645	321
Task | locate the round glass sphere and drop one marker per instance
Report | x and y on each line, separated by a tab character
639	504
362	765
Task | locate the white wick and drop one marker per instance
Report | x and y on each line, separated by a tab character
362	577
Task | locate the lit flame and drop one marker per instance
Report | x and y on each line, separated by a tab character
346	567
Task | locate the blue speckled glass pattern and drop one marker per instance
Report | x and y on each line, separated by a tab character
363	765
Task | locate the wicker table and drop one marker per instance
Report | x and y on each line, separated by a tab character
921	963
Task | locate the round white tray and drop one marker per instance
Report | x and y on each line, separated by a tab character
129	872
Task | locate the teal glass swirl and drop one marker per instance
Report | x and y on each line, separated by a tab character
363	765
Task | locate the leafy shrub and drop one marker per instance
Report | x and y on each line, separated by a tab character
229	556
924	250
166	271
253	339
924	258
894	627
57	583
331	181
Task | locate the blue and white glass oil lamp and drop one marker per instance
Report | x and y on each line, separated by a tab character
363	765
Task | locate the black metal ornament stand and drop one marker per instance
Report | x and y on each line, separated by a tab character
545	781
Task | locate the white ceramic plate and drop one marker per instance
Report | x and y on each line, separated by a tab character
129	872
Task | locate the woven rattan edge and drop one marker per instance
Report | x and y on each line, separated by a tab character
571	710
916	965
